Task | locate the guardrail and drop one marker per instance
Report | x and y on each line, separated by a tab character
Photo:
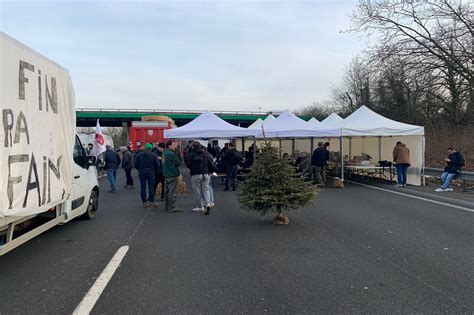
465	176
177	111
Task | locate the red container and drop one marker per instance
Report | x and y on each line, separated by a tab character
142	132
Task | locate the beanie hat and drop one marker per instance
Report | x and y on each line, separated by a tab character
148	146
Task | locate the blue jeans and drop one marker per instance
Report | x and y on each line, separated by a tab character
112	177
402	173
147	178
212	186
230	176
446	178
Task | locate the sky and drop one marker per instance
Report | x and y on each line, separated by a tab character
191	55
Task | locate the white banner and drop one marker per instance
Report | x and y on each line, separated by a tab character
37	131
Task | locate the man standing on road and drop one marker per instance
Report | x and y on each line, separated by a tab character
198	162
112	162
454	163
146	163
319	160
127	165
171	163
401	158
232	159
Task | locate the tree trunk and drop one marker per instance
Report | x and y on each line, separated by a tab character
280	218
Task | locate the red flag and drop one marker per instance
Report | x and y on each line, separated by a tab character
99	141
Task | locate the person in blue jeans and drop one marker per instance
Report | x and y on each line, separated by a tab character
112	163
401	158
454	163
147	164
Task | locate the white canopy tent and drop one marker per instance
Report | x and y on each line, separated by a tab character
365	131
256	124
269	118
365	122
332	121
208	126
287	125
313	121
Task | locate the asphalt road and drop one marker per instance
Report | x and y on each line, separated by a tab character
354	250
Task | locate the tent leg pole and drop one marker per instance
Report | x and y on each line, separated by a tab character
312	145
423	182
350	148
342	156
293	145
279	142
243	145
254	149
380	148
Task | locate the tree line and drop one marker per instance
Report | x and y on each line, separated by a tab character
419	69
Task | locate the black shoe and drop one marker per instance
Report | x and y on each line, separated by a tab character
208	210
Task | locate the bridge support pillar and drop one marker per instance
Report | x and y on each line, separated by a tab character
125	133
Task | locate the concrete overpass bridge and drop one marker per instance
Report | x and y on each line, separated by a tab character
87	117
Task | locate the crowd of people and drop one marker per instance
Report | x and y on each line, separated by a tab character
159	164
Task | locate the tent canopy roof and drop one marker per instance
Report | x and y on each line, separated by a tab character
287	125
256	124
313	121
269	118
208	126
332	121
365	122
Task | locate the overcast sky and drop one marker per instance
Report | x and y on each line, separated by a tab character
216	55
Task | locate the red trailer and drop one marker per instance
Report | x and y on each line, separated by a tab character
142	132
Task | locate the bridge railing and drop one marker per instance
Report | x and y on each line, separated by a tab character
465	176
176	111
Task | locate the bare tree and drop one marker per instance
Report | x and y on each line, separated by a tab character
319	110
434	36
355	88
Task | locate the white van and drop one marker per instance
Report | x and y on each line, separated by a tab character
46	177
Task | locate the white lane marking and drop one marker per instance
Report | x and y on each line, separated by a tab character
420	198
88	302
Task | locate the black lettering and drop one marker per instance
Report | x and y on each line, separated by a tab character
45	175
32	185
51	98
14	180
22	79
40	95
56	172
7	126
21	127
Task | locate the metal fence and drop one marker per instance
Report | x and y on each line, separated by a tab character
463	175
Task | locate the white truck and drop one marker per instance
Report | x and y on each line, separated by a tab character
46	177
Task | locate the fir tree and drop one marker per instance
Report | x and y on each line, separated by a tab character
273	186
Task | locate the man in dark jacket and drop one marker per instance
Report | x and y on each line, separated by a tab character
231	159
319	160
171	163
199	162
112	163
127	165
146	163
454	163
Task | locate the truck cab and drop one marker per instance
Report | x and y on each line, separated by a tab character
85	199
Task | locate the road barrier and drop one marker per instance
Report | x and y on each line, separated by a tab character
463	175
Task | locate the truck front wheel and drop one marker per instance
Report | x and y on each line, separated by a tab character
92	206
